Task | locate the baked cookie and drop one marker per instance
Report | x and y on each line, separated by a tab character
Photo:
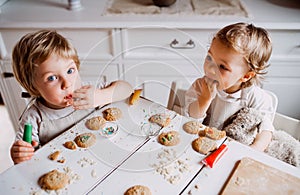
70	145
135	96
204	145
170	138
162	120
112	114
193	127
214	133
95	123
138	190
53	180
54	155
85	140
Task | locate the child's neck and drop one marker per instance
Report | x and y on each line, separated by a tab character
45	103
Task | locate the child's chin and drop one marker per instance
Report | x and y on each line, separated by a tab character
68	104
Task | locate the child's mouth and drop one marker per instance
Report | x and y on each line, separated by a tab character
68	97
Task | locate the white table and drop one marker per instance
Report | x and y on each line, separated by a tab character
212	180
114	164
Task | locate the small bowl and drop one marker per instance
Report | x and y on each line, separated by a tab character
109	129
163	3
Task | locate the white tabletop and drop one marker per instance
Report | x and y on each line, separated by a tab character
114	164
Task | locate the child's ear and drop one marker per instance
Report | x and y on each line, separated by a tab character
248	76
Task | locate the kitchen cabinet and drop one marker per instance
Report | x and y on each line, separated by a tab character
166	55
283	76
149	51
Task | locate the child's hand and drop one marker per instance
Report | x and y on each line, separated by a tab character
84	98
22	151
205	94
205	91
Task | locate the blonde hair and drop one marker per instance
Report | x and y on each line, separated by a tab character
35	48
252	42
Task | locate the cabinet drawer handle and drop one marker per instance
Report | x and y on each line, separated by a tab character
189	45
8	74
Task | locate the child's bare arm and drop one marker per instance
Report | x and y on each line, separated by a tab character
22	151
90	97
262	140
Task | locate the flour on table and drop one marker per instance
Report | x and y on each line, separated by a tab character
169	167
83	162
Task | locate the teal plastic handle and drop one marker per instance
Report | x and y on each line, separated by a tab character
27	136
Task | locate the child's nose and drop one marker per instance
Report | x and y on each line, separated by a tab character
212	71
66	84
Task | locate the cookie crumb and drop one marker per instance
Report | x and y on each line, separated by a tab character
170	168
61	160
93	173
72	176
83	162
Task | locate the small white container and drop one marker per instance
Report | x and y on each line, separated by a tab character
109	129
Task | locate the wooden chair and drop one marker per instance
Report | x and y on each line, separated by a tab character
287	124
177	96
280	121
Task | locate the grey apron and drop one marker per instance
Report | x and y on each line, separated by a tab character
50	129
216	117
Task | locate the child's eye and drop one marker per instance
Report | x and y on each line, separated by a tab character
52	78
71	70
208	58
223	67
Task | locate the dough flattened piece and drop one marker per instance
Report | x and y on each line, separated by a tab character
53	180
95	123
193	127
85	140
204	145
162	120
214	133
170	138
112	114
138	190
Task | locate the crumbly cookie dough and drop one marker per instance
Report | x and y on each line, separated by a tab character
70	145
85	140
53	180
95	123
54	155
204	145
170	138
138	190
162	120
193	127
112	114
